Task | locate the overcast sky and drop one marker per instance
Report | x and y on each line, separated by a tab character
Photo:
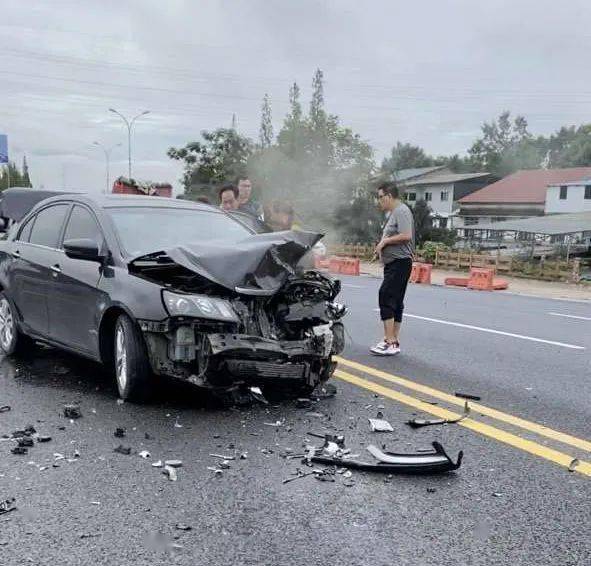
423	72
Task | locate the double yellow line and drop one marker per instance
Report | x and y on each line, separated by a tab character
477	426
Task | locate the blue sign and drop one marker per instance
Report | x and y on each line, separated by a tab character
3	148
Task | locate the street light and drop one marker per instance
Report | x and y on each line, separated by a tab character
129	124
107	157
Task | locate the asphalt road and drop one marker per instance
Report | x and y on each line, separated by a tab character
512	502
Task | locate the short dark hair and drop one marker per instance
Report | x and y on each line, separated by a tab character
228	187
389	188
242	178
203	199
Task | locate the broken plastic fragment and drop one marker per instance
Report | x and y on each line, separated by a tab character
173	463
157	464
72	411
418	423
380	425
5	408
170	472
7	505
19	450
126	450
25	441
183	527
42	438
144	454
119	432
467	396
574	463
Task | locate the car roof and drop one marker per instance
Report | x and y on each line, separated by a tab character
133	201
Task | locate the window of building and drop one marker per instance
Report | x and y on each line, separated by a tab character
563	192
444	195
48	226
428	196
471	221
588	191
411	197
82	225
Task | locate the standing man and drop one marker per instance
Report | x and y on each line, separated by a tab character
396	250
245	203
228	195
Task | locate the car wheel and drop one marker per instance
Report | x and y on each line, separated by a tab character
132	367
12	341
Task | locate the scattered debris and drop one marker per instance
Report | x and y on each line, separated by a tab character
574	463
72	411
19	450
147	436
216	471
497	494
324	475
89	535
276	423
126	450
120	401
257	395
173	463
119	433
314	415
170	472
144	454
42	438
183	527
244	455
177	424
25	441
325	391
303	403
418	423
157	464
299	475
5	408
95	502
7	505
467	396
223	457
380	425
347	474
390	462
431	490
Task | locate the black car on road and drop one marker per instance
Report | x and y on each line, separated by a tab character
161	287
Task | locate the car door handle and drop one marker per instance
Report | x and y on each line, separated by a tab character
56	269
16	254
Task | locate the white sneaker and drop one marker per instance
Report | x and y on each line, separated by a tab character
385	349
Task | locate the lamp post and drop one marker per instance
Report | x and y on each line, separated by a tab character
129	124
107	151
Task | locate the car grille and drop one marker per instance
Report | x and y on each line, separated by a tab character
250	368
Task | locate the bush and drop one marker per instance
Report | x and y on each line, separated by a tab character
430	249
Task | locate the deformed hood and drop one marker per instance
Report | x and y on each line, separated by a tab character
256	265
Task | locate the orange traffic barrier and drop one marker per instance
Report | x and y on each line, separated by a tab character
456	281
344	265
334	264
481	279
415	273
425	273
500	284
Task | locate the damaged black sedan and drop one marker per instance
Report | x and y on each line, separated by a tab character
160	287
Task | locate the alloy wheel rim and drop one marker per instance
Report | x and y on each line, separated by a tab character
121	358
6	324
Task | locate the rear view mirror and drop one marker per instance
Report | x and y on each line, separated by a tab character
83	248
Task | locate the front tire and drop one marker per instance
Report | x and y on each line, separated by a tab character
12	340
132	367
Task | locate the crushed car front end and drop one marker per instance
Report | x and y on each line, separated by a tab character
273	324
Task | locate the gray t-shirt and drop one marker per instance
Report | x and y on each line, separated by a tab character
400	221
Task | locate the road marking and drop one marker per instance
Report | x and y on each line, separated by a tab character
570	316
353	286
476	407
492	432
492	331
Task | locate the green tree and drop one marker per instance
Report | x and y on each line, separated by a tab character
266	129
406	156
25	179
221	156
423	221
10	175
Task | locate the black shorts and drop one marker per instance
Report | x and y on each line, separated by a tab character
393	289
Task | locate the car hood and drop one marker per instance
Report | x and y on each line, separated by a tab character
257	265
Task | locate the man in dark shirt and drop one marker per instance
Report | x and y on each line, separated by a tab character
246	203
395	250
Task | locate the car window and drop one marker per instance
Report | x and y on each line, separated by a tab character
82	225
25	232
48	225
148	229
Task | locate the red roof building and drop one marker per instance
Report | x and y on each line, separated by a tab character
520	195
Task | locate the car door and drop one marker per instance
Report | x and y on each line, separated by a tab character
74	298
35	253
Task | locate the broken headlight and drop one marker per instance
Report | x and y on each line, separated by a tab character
198	306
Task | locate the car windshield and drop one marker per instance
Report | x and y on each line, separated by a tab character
152	229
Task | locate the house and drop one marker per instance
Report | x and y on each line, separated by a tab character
441	189
569	197
520	195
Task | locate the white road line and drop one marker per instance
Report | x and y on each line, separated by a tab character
570	316
492	331
353	286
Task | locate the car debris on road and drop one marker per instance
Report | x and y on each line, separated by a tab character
72	411
380	425
7	505
419	423
125	450
170	472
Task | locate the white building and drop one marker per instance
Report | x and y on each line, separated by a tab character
569	197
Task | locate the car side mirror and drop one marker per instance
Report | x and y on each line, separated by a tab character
83	248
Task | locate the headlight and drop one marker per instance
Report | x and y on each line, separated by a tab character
198	306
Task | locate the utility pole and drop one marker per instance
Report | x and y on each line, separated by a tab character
129	124
107	151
